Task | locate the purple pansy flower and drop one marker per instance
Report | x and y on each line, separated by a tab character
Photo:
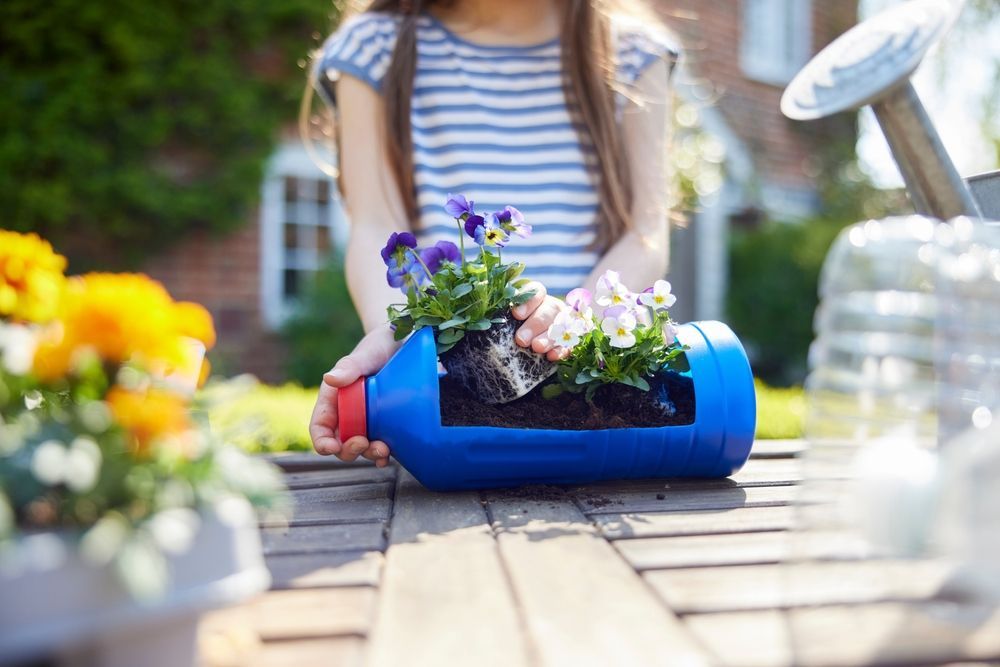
395	247
512	221
406	275
440	252
472	223
491	236
458	206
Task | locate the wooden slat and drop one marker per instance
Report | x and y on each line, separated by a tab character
315	479
740	588
848	636
704	522
737	549
580	602
444	595
326	652
777	448
313	613
326	570
684	499
324	539
299	461
757	472
339	504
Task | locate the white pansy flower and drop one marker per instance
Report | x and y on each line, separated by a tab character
658	297
612	292
567	329
618	325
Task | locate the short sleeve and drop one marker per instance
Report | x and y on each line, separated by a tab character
639	47
361	47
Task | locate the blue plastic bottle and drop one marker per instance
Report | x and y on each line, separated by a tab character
400	406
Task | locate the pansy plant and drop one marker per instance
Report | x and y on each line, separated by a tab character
449	292
630	342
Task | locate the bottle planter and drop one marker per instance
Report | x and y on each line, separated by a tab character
492	366
401	406
55	606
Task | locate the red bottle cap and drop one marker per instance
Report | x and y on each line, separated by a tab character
351	413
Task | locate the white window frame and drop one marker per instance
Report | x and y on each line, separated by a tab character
290	160
775	39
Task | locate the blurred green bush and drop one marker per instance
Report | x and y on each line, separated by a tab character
258	417
774	273
323	328
780	411
130	123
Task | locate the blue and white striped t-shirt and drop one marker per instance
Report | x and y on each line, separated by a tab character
491	122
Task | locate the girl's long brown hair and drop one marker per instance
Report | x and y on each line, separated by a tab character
589	84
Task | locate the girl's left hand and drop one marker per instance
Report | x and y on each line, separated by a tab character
538	312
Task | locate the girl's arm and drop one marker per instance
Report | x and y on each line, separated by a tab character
371	198
641	255
375	209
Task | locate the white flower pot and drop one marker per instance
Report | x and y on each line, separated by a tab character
54	605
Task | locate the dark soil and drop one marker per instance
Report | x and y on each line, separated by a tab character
669	402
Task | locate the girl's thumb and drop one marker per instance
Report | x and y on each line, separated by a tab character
343	373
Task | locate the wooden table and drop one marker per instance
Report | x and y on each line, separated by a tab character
375	570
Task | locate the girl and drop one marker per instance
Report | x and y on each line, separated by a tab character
557	107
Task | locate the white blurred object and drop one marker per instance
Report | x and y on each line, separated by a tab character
184	379
966	519
906	357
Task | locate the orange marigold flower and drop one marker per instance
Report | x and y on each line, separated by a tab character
121	317
31	277
148	416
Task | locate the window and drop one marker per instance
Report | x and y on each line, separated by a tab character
301	224
777	39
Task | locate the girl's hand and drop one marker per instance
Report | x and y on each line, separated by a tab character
538	312
370	355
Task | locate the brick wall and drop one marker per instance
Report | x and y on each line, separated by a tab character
223	274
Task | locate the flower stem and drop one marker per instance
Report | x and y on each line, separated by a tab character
416	256
461	239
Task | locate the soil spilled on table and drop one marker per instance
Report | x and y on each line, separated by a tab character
669	402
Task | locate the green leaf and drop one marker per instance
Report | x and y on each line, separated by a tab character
450	336
454	322
461	290
583	377
552	390
479	325
640	383
427	321
403	329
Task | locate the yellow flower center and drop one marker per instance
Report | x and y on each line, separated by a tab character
621	331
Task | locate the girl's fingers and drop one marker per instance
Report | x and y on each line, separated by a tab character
354	447
381	463
522	311
323	423
557	354
542	343
377	450
539	322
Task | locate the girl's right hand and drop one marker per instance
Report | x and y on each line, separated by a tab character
370	355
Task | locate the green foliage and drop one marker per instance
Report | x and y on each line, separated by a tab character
780	412
137	121
323	328
469	296
774	274
595	362
257	417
